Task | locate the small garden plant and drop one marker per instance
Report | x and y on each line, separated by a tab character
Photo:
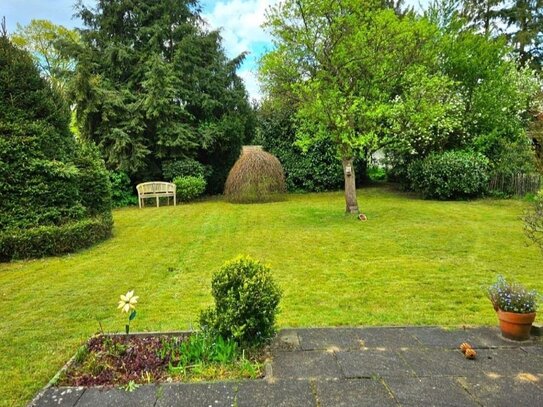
246	303
512	297
189	187
229	346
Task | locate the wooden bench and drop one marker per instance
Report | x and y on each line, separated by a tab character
155	190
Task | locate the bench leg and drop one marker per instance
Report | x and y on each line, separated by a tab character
157	201
139	201
174	200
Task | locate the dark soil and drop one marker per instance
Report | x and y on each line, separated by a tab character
120	359
114	360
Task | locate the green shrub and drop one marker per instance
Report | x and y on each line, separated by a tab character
121	190
53	240
376	174
450	175
314	169
94	184
54	191
246	300
184	168
533	221
189	188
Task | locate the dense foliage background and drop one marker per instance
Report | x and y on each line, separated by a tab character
50	184
456	83
153	87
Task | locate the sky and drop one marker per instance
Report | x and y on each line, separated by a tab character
239	21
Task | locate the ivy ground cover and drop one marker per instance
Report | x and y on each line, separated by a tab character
413	262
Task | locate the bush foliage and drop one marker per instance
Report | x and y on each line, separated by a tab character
184	168
50	185
257	176
533	221
189	187
54	240
450	175
314	170
121	190
246	300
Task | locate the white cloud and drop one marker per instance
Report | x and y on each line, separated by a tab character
240	24
251	83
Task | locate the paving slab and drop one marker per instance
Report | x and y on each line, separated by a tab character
429	391
388	338
369	363
448	338
59	396
509	362
440	362
219	394
291	393
490	337
286	340
503	391
305	365
115	397
354	393
329	338
533	350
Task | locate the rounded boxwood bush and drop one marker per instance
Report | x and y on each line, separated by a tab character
246	301
189	188
450	175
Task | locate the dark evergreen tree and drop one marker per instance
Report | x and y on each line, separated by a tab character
524	22
54	194
153	85
483	14
38	180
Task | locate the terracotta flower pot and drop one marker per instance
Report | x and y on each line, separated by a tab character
516	326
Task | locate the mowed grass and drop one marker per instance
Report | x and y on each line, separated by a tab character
413	262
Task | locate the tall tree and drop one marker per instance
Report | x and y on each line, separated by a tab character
341	63
154	85
524	21
45	41
483	15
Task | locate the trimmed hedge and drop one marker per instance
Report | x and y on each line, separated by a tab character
189	188
184	168
44	241
450	175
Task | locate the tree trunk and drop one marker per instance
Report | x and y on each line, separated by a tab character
351	204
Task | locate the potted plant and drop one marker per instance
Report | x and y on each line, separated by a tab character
516	308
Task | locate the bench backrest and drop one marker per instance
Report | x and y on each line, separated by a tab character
155	188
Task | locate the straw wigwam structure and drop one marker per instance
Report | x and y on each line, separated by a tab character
257	176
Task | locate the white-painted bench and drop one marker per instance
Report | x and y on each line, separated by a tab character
155	190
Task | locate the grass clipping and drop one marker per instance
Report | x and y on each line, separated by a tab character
257	176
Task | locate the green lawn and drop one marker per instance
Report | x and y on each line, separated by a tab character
413	262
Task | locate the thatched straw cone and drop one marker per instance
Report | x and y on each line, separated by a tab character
257	176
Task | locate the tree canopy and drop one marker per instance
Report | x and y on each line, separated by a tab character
369	78
153	85
45	42
342	64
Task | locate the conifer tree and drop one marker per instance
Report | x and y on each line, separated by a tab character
153	86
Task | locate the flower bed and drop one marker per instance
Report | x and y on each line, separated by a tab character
130	360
